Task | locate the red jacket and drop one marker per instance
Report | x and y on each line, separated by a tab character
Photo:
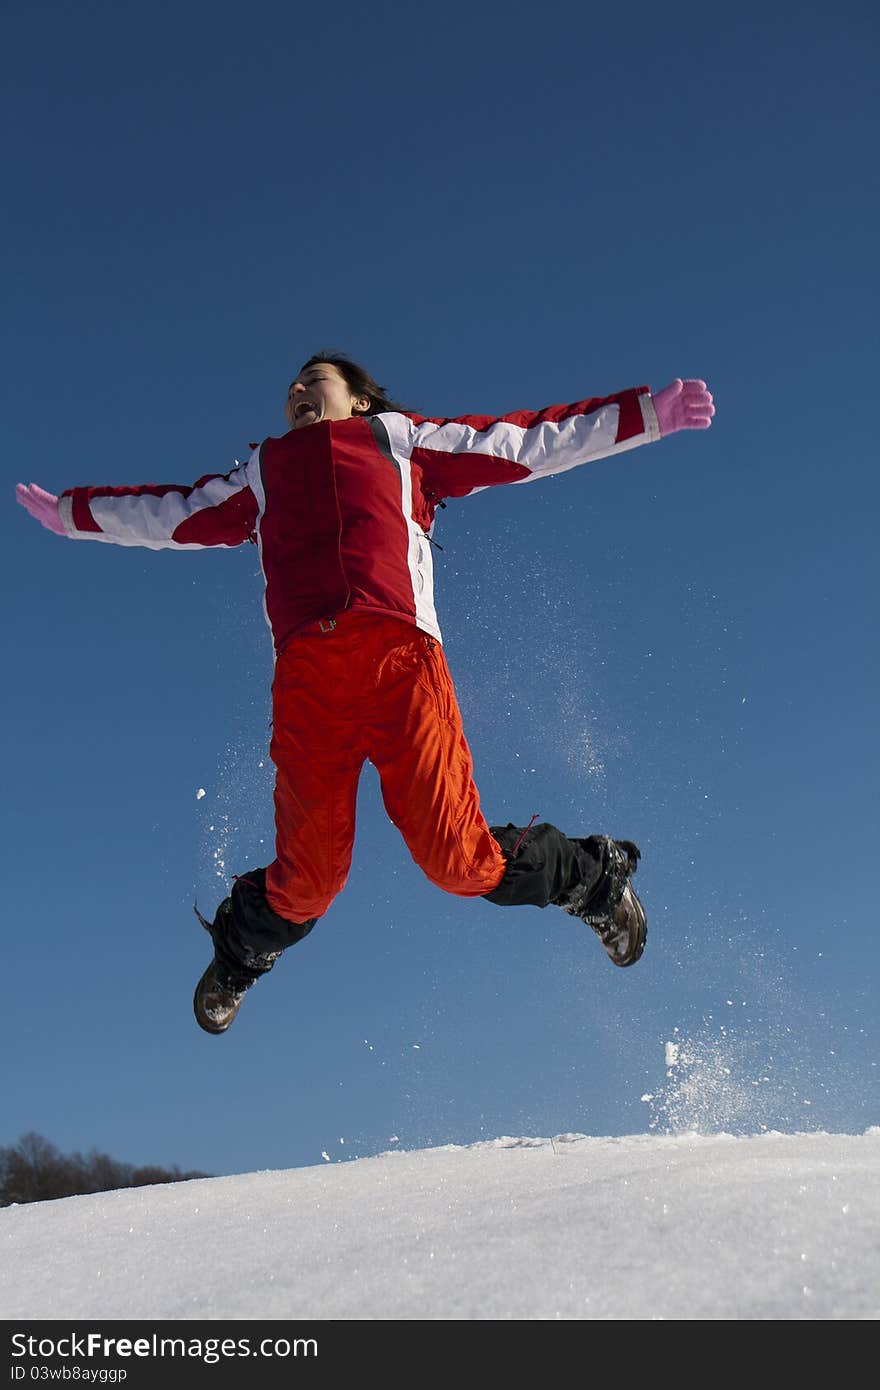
343	510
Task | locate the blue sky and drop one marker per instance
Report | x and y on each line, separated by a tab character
494	208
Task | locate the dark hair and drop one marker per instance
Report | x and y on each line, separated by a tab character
357	379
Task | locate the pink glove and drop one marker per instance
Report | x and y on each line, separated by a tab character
684	405
43	506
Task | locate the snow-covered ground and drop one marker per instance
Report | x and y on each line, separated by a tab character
775	1226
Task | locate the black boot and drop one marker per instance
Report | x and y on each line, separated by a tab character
612	909
248	938
215	1004
587	878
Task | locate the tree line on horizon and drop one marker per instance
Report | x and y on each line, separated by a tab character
35	1170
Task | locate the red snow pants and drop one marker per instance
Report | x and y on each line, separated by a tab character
370	688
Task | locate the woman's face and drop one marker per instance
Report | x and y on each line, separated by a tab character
321	393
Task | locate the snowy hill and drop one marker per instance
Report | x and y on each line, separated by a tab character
777	1226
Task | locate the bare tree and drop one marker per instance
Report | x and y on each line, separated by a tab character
34	1170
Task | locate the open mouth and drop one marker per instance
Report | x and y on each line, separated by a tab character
305	411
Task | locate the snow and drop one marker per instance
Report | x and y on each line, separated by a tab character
642	1227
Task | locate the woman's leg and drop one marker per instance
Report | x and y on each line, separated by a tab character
427	781
416	740
318	756
318	762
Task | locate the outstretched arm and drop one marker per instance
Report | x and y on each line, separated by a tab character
464	455
219	509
